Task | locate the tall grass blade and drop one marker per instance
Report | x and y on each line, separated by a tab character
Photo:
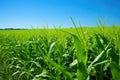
75	26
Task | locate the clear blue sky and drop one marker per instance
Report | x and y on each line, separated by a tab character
37	13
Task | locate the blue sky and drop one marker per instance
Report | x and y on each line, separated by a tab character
38	13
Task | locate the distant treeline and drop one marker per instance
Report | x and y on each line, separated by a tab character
13	29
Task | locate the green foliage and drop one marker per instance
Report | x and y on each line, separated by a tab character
60	54
115	69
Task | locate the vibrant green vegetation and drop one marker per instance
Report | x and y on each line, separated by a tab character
60	54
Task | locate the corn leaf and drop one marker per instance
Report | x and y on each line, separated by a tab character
115	69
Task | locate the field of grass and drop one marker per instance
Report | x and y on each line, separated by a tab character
60	54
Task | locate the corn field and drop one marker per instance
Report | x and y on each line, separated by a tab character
60	54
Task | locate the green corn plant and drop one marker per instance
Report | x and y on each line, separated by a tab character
81	56
57	66
94	62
